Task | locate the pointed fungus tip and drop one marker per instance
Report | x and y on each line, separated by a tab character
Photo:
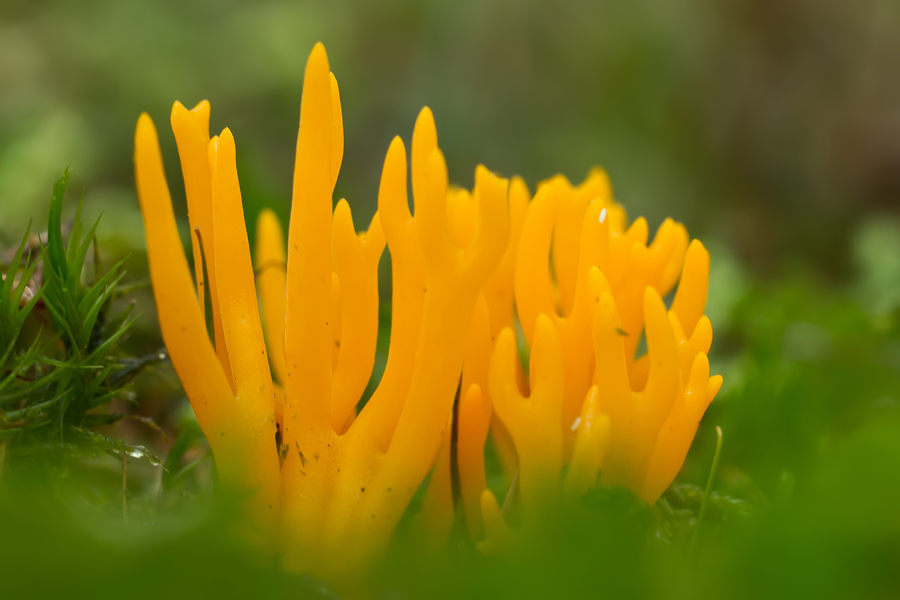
544	323
225	137
697	246
319	56
425	120
651	296
145	125
397	145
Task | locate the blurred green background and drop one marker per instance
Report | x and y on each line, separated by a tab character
771	124
771	128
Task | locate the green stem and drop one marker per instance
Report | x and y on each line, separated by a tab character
692	550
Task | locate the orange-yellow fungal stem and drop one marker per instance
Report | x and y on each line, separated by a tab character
474	422
570	209
591	440
571	204
435	518
479	347
379	418
245	458
238	304
240	317
690	299
534	290
531	420
409	278
678	431
499	538
337	316
688	348
191	128
271	281
308	337
533	287
308	331
574	330
498	291
454	278
181	322
356	263
474	414
621	246
461	216
635	417
337	128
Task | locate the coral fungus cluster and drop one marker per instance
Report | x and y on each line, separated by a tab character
275	356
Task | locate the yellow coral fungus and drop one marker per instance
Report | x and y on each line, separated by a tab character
467	268
628	420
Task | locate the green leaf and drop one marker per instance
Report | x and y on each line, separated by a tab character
56	250
127	288
134	366
21	365
117	447
186	470
117	321
12	315
26	310
75	234
184	443
33	411
102	399
108	343
695	536
61	322
90	318
100	287
6	288
33	389
76	260
57	300
15	297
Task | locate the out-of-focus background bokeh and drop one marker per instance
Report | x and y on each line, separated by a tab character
771	128
770	125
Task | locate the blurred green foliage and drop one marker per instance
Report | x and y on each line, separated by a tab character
771	125
56	387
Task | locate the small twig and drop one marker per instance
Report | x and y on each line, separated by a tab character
692	550
2	455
